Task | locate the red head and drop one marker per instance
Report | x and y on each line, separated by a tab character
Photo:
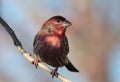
56	25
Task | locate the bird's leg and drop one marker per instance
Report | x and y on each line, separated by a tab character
36	61
54	72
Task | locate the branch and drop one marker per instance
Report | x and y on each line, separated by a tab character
20	48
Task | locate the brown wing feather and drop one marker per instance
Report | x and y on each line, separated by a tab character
65	45
37	44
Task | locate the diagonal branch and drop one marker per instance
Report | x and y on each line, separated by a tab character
20	48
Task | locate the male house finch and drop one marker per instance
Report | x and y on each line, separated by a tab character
51	44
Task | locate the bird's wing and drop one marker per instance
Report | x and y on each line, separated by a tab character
36	44
35	40
65	45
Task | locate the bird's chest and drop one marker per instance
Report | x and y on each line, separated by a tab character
53	41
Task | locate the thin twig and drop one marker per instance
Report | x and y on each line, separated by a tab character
20	48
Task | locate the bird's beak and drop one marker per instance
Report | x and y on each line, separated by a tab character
66	23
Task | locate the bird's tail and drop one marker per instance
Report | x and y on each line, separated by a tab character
70	67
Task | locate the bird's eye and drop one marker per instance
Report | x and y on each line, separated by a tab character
59	21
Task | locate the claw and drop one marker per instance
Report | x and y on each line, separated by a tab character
54	73
35	62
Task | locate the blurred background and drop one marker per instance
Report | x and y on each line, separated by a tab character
93	38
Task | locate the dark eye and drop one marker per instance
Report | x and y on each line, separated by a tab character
59	21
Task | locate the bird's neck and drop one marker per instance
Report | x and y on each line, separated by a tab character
60	33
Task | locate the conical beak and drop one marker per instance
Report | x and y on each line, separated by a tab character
66	23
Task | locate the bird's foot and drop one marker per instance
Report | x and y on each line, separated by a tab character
54	73
35	62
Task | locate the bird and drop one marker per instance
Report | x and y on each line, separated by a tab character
51	45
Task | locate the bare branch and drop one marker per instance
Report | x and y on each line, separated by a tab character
20	48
